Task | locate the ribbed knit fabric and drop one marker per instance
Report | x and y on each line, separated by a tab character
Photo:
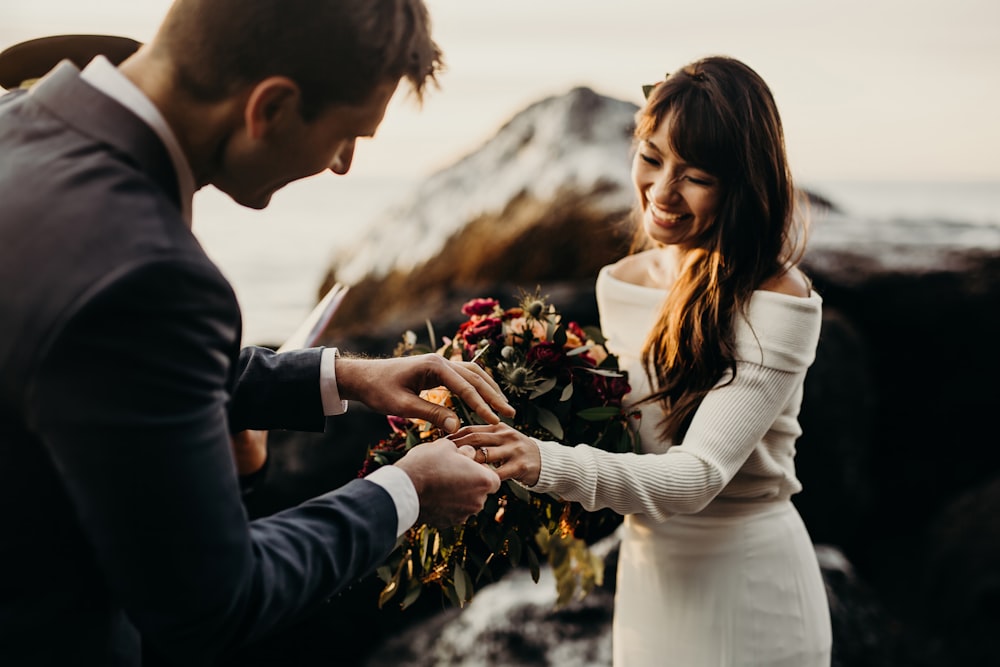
741	443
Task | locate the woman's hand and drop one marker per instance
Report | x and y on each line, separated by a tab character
513	454
393	386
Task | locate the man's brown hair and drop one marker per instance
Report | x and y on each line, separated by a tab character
337	51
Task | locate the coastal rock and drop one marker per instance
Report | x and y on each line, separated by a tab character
959	569
555	177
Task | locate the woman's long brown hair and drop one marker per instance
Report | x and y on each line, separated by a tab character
722	119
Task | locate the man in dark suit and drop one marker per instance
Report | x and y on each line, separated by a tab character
122	378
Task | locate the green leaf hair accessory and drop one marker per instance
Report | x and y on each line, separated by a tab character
648	88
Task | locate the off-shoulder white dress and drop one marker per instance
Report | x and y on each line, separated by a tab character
716	568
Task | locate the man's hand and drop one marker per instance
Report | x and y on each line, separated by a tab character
393	386
450	484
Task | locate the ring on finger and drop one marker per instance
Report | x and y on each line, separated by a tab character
486	454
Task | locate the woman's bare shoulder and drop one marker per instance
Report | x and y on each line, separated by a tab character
642	268
792	282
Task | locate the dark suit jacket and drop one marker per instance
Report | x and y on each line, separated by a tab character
120	515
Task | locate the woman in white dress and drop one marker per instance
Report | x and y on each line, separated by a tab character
717	328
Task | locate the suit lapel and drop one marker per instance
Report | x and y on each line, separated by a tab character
66	95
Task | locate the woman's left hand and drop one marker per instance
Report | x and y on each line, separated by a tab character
513	454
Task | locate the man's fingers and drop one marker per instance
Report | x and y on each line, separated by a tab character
480	392
493	480
478	370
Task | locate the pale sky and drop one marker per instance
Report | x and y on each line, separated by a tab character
868	89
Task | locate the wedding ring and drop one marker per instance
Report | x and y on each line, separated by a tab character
486	454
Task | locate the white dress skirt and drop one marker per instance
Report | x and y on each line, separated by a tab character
738	586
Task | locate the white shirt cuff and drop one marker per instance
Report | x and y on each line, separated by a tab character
332	405
399	486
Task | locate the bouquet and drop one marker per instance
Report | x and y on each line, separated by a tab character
567	388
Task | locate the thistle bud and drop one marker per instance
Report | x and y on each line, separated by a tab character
518	376
535	308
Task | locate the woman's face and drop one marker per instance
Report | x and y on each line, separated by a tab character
678	201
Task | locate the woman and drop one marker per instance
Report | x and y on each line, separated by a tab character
717	328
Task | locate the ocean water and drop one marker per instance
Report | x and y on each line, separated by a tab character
276	258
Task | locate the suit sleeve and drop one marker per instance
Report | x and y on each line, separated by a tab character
277	391
131	402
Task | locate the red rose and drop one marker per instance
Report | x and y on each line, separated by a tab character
545	356
489	328
609	390
479	307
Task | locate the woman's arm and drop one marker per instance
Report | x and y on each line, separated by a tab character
731	420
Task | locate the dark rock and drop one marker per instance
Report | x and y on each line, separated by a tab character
956	593
833	455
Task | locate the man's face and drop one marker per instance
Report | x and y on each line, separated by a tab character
254	169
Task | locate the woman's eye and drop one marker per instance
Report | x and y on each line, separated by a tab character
698	181
650	160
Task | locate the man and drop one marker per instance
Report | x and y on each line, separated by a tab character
122	376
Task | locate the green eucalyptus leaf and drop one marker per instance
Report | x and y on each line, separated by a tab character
543	388
533	565
595	335
451	594
463	584
542	539
605	372
579	350
550	423
597	565
387	593
514	548
518	490
567	393
412	593
599	413
626	443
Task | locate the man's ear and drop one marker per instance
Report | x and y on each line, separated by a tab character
272	102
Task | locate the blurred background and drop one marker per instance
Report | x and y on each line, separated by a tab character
889	109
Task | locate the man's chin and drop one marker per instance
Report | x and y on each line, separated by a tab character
255	201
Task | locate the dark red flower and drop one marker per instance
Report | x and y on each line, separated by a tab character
577	331
545	356
399	424
489	328
479	307
609	390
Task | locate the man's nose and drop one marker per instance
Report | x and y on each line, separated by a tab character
342	162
